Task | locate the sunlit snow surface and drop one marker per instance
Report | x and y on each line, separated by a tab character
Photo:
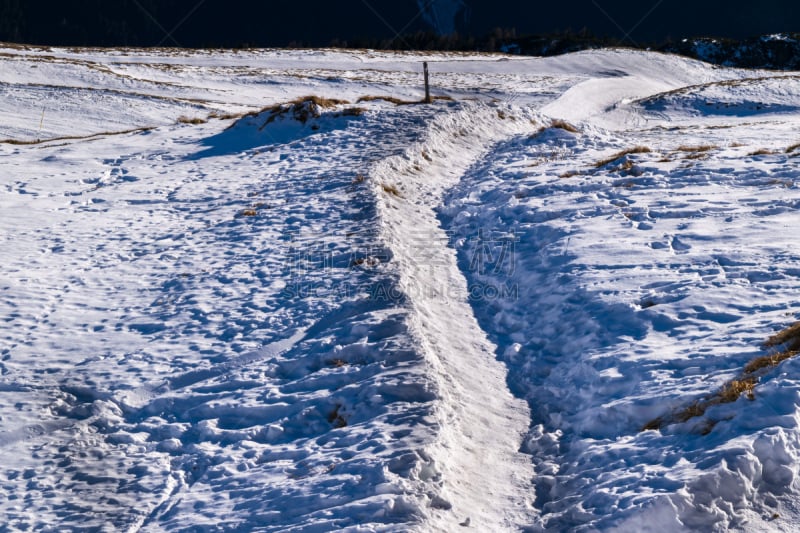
397	317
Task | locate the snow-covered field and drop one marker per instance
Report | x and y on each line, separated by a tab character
365	316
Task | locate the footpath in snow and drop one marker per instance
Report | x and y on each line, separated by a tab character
482	474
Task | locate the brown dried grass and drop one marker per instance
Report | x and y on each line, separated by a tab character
792	148
623	153
701	148
744	384
74	137
790	334
564	125
391	189
191	120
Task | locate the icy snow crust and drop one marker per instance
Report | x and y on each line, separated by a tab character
393	318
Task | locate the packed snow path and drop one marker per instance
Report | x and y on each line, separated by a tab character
370	317
483	475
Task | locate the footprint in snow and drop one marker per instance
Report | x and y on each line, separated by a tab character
674	244
679	246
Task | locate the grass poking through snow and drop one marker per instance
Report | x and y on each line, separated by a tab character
620	155
701	148
564	125
400	101
91	136
792	148
762	151
391	189
745	384
790	336
191	120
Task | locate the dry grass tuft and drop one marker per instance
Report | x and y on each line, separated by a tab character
744	384
701	148
694	410
792	148
400	101
789	335
224	116
769	361
620	155
248	213
391	189
570	174
189	120
324	103
336	418
782	183
390	99
353	111
564	125
305	108
653	425
17	142
732	390
729	393
626	166
762	151
91	136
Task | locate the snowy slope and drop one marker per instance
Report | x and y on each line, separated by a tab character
363	316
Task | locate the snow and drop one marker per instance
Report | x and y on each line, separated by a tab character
380	317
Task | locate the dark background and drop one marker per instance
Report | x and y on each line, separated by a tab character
235	23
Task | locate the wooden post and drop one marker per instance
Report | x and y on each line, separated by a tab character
427	83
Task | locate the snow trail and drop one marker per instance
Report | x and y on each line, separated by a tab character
480	478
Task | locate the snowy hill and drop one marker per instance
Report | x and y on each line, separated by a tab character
265	291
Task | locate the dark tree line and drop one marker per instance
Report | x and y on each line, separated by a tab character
85	23
211	23
232	23
315	23
11	21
